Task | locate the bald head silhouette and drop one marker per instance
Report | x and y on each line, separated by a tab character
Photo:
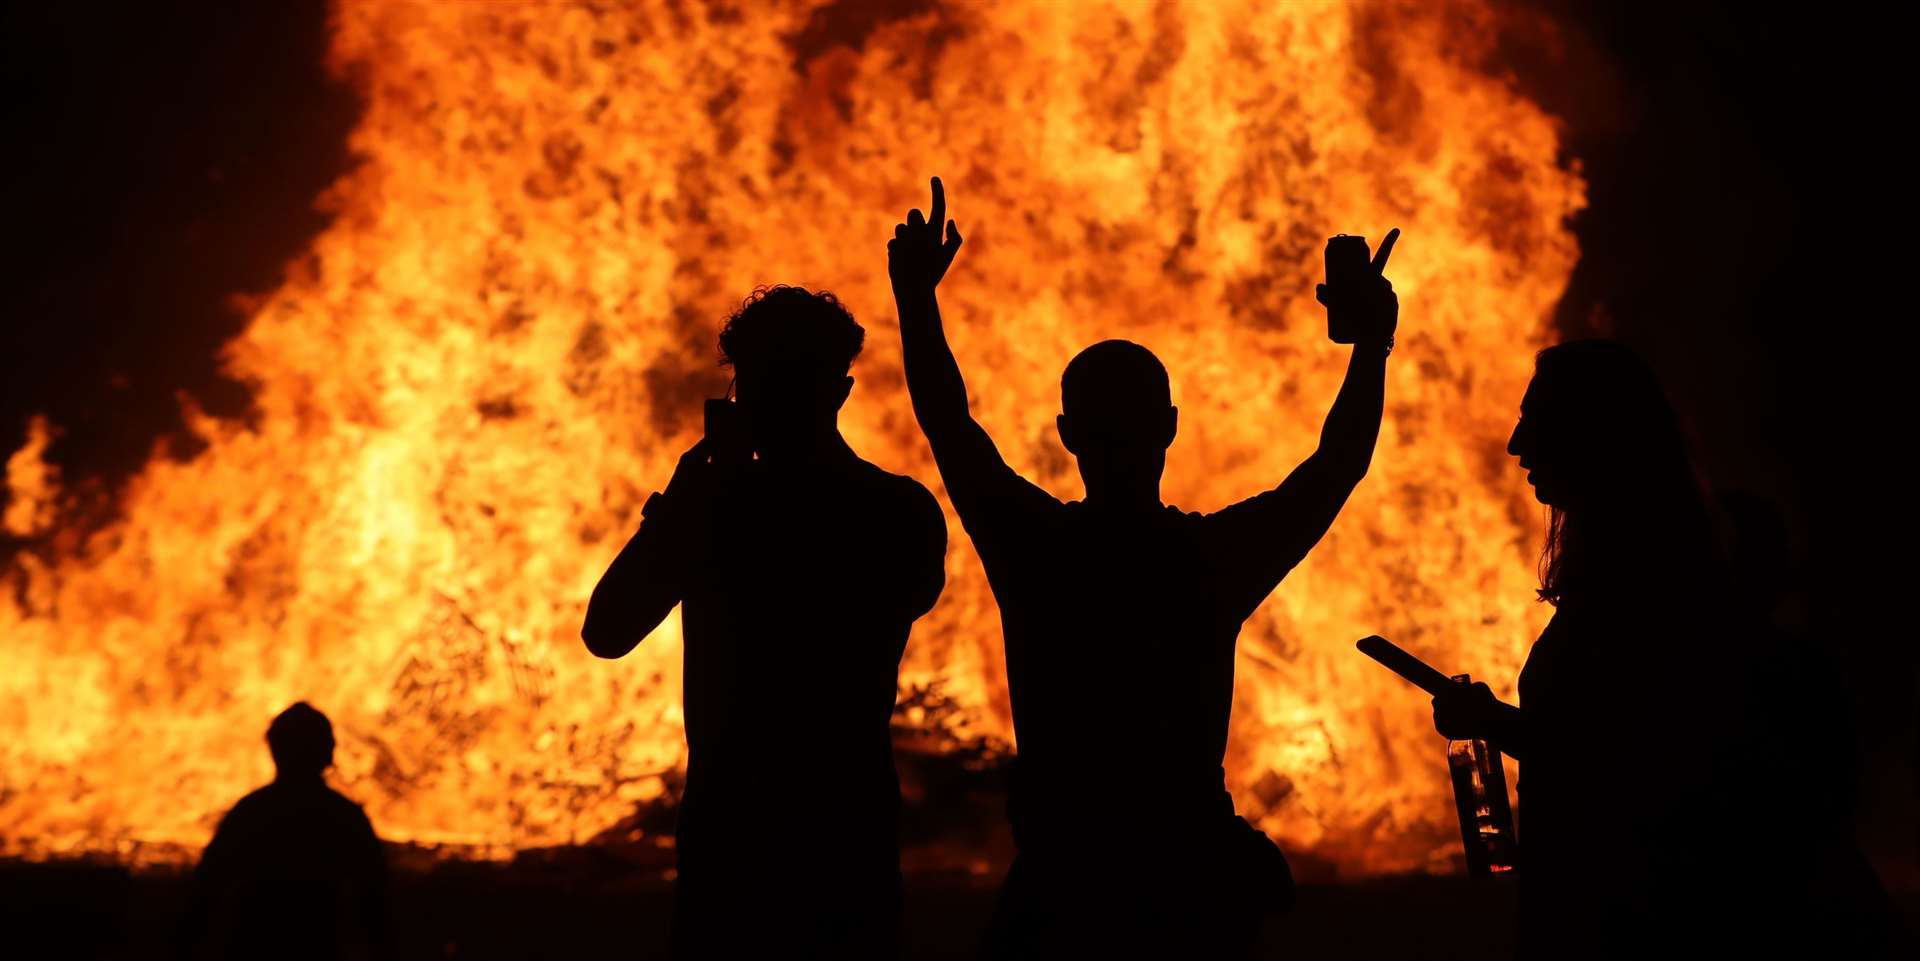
301	742
1117	419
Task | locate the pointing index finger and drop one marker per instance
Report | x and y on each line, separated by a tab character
1386	250
938	215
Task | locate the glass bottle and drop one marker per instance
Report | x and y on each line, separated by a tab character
1480	794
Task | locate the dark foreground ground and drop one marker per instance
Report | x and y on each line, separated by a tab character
500	912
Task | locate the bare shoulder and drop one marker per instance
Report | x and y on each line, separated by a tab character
1180	515
905	504
897	488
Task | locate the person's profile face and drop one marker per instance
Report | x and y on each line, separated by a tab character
1531	443
1565	444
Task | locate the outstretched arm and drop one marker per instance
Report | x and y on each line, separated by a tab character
969	463
648	578
1270	533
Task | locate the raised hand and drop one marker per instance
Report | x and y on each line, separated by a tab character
1372	301
918	256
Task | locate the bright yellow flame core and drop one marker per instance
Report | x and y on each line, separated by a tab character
470	384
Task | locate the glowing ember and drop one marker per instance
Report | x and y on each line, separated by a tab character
496	351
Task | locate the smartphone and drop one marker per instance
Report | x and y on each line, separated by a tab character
1348	261
727	440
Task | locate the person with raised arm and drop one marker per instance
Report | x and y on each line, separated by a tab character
799	569
1120	616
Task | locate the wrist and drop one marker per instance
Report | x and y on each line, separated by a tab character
913	293
1374	348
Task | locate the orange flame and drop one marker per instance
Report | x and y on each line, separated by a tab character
468	386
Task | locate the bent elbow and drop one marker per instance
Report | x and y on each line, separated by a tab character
1353	463
602	642
1343	469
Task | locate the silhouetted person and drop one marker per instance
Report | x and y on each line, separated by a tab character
294	870
1120	616
800	573
1663	810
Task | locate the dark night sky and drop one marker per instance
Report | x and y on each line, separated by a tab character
1739	234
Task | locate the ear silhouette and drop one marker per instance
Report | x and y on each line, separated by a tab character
1064	427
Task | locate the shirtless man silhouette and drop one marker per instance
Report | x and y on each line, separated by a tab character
1120	616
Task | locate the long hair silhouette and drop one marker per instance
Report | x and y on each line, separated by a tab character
1620	479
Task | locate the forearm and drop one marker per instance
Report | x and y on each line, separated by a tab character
1353	424
639	589
934	383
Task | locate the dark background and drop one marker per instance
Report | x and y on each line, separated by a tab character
1741	232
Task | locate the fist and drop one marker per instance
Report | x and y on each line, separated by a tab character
1365	312
1362	308
1465	712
